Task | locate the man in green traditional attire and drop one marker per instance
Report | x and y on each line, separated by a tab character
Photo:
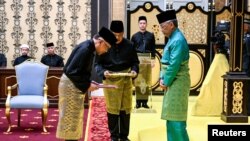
174	77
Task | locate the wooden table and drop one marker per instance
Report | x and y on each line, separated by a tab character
7	78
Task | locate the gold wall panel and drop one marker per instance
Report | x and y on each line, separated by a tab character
203	52
156	69
194	26
225	15
196	71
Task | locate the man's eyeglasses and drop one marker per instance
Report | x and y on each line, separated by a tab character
106	44
164	25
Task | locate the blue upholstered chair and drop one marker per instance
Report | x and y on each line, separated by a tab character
31	91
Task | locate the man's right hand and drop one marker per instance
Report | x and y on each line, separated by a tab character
93	87
164	87
107	74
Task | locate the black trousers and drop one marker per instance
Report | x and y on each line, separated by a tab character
119	125
142	101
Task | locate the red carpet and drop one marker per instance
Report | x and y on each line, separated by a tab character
98	127
31	126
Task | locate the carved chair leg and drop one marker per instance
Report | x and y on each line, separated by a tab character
19	117
7	114
44	118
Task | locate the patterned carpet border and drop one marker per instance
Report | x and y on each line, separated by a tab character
97	128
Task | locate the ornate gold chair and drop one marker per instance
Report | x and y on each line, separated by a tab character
31	91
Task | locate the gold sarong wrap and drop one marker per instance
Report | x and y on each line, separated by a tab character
119	99
71	110
143	81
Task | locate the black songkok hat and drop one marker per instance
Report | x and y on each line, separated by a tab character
166	16
247	21
49	44
142	18
117	26
107	35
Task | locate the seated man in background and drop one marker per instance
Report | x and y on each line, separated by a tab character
52	59
3	60
24	55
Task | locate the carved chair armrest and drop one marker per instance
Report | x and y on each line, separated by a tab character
8	85
45	100
7	104
9	88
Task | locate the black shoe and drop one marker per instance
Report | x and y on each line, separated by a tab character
144	105
114	139
125	139
137	106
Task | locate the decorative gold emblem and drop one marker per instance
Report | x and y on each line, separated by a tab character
7	133
237	97
190	6
29	129
33	123
37	117
24	137
49	126
148	6
54	115
52	120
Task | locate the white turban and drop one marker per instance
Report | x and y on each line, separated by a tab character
24	46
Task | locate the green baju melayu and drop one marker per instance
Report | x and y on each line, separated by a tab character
175	75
